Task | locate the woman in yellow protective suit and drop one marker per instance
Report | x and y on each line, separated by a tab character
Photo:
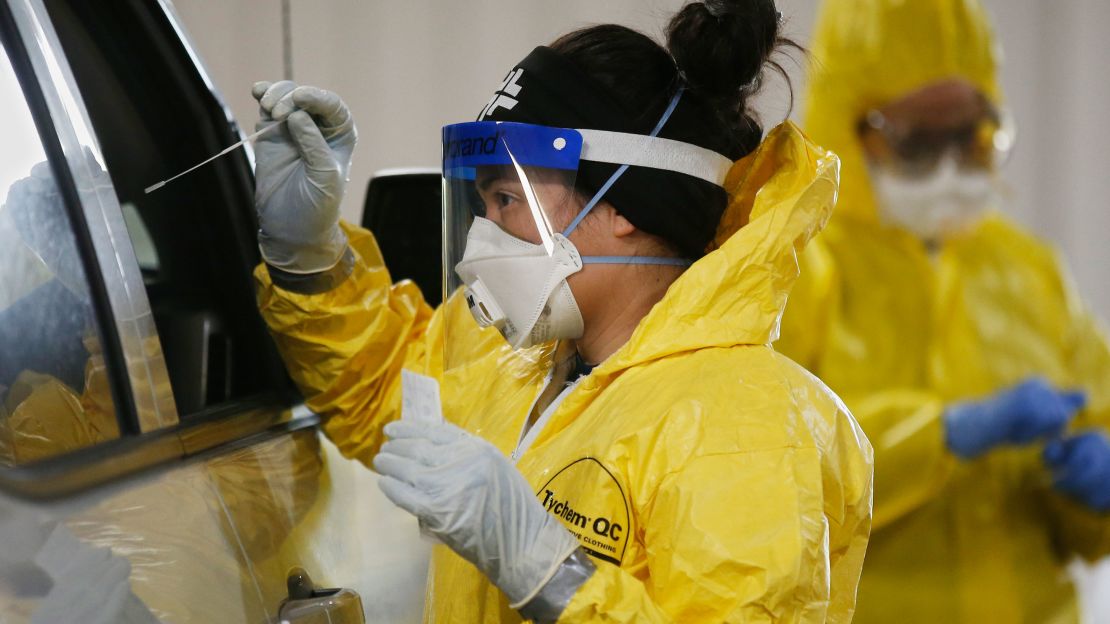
953	335
621	444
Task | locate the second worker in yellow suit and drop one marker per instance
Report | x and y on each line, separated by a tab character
953	335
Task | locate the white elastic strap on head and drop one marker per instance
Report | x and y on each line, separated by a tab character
673	104
640	150
652	151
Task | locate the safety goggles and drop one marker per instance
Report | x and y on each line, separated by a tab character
916	147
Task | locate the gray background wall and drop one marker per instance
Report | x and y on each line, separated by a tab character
406	67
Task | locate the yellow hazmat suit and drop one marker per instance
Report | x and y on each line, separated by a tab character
710	478
899	333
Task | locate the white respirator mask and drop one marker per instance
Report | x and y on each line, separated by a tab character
944	202
520	288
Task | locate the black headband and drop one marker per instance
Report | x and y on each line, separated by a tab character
547	89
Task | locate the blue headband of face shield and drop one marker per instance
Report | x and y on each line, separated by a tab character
484	143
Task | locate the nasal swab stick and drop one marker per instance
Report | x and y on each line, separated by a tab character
226	150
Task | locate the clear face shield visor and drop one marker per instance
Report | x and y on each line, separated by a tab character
508	193
511	205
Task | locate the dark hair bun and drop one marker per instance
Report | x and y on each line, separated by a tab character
721	45
718	50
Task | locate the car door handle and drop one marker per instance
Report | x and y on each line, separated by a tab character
308	604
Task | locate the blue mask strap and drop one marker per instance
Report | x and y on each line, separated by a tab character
619	172
682	262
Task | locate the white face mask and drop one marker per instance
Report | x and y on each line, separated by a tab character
945	202
520	288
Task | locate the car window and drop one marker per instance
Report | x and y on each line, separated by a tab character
54	391
194	238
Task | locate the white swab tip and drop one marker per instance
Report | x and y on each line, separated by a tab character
154	187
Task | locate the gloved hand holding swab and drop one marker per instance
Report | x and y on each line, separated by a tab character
301	175
226	150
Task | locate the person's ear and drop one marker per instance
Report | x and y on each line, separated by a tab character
621	227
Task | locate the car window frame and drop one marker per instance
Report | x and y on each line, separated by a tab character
121	305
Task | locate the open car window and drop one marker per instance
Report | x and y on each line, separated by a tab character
194	239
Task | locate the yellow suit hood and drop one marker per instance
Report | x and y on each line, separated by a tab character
867	53
781	195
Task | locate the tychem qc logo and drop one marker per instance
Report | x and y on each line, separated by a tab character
592	504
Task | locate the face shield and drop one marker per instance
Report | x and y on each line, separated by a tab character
511	206
508	192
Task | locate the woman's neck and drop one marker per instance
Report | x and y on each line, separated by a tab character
613	318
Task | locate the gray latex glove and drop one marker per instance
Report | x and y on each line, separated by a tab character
301	174
469	495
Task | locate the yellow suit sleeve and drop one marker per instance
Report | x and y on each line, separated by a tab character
912	462
722	549
345	348
47	418
1080	530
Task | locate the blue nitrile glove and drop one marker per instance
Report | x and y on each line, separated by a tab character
1016	416
301	175
1080	468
